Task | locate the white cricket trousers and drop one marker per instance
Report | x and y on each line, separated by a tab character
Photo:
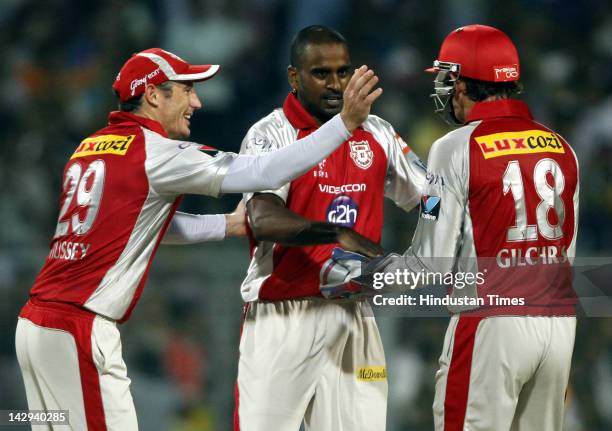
504	373
314	360
71	360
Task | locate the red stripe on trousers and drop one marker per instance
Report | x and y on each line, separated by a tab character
79	323
458	379
236	394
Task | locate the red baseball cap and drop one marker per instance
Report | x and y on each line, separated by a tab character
156	66
482	52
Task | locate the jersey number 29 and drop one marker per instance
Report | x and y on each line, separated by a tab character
88	187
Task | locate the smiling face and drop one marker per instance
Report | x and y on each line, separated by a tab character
176	106
320	78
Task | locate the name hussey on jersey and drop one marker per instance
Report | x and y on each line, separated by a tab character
525	142
68	250
105	144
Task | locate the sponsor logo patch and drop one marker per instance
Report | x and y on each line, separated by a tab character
361	154
262	143
525	142
320	172
343	211
344	188
372	374
506	72
105	144
142	81
430	207
434	179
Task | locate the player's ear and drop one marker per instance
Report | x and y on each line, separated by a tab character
292	77
151	95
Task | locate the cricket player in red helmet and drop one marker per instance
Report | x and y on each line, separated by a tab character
502	205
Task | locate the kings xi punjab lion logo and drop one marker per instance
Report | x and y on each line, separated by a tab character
361	154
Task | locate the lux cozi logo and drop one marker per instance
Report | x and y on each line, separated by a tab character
105	144
525	142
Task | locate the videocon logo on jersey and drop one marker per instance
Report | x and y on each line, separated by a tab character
524	142
343	211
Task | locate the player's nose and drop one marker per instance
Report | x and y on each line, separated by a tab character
333	82
194	101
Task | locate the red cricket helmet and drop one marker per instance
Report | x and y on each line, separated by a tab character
481	52
474	51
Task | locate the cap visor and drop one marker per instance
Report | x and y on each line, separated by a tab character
198	73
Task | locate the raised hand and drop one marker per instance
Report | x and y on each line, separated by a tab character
359	97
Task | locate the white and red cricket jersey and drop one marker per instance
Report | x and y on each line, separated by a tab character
346	188
501	198
120	189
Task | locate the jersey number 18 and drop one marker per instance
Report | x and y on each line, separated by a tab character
550	198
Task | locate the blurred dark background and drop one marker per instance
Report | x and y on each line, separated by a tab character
59	59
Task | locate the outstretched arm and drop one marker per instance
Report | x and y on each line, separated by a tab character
193	228
175	167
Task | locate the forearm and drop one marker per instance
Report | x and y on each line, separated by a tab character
192	228
295	231
234	225
270	171
271	221
312	234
